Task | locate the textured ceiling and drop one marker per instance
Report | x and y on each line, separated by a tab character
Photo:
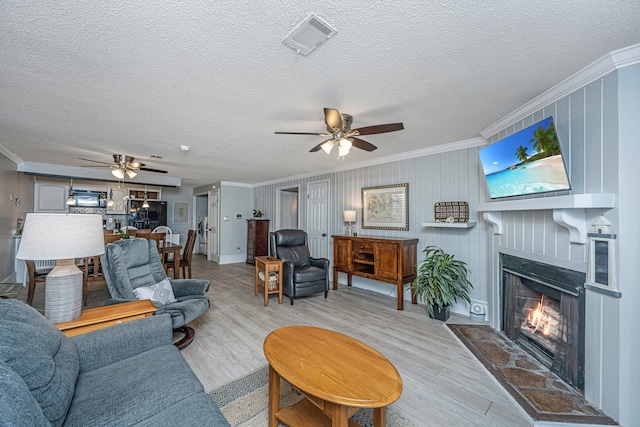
89	79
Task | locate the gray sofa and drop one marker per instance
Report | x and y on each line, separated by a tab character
127	374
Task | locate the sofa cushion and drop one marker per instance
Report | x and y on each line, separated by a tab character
131	390
47	361
309	274
18	407
196	410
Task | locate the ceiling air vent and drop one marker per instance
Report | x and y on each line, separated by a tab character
309	34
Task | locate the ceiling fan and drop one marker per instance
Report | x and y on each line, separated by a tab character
123	164
341	135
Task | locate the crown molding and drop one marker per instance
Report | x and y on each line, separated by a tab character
9	155
236	184
443	148
611	62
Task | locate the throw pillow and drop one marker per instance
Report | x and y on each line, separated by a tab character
161	292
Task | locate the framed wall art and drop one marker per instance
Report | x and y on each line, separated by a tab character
180	213
385	207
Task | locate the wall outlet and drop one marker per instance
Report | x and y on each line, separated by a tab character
238	249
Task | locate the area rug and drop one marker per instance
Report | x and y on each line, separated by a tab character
244	402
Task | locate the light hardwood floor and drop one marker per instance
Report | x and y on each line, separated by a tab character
443	384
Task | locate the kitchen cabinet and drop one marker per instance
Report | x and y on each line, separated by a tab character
139	194
257	238
50	197
378	258
119	204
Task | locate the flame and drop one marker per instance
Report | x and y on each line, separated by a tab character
539	319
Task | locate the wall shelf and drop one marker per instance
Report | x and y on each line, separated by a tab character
568	211
450	224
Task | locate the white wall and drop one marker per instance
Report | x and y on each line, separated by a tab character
14	185
628	170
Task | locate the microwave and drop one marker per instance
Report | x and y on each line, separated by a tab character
88	198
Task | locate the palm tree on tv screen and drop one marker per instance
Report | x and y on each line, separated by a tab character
545	141
521	153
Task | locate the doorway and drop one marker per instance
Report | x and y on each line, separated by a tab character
288	212
318	218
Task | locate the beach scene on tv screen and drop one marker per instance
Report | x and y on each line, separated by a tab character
526	162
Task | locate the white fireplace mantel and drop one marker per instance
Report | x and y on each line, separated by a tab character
568	211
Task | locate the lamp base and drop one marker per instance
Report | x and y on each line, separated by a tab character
349	230
63	292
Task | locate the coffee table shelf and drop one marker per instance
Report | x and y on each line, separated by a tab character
306	414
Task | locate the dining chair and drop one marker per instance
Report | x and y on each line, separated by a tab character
187	254
110	238
36	275
39	275
166	230
161	241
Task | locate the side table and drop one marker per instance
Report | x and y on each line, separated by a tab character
268	265
93	319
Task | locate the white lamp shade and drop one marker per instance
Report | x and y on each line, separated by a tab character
61	236
117	173
349	216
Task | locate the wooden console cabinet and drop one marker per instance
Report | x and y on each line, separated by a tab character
257	239
387	260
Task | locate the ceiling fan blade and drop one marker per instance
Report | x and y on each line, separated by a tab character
317	147
333	119
300	133
95	161
372	130
152	170
363	145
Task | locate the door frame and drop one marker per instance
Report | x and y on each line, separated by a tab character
279	192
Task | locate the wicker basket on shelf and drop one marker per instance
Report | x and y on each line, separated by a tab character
273	280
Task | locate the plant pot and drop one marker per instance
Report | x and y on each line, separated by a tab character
441	313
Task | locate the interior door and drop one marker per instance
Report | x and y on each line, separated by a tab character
213	230
318	218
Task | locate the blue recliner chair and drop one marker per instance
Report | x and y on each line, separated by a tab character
129	264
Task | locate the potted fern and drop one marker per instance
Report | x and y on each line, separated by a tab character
441	280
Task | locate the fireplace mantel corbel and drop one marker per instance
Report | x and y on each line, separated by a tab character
568	211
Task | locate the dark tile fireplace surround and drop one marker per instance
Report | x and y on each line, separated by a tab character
538	356
543	311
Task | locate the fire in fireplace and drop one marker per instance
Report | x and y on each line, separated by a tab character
543	311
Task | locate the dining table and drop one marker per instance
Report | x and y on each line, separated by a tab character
172	248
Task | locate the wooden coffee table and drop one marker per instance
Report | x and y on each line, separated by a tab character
338	375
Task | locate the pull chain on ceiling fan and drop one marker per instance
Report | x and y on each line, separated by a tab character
342	136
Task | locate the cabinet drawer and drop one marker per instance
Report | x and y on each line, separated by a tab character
363	247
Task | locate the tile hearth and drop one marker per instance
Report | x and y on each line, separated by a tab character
541	393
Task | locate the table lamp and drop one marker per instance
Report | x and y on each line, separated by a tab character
63	237
350	217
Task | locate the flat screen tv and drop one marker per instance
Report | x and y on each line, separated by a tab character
528	162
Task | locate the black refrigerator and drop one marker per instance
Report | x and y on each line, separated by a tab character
151	217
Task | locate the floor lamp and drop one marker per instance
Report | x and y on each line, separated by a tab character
62	237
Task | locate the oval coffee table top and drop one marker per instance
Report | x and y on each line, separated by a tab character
332	366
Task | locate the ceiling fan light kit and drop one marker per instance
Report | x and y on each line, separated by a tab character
339	127
118	173
125	165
